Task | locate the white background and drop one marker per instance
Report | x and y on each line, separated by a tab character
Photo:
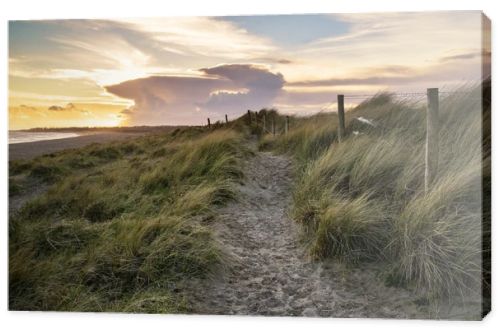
51	322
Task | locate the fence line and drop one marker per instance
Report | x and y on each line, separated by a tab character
432	131
405	94
432	125
328	105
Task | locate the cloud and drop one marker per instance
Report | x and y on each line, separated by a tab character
251	76
27	107
350	81
272	60
284	61
223	89
69	106
449	69
27	116
260	87
460	56
153	63
111	51
415	40
56	108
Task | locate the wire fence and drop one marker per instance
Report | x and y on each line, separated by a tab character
407	96
431	95
268	125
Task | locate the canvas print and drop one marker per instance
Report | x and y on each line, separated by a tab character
328	165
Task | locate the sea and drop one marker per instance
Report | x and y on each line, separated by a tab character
16	137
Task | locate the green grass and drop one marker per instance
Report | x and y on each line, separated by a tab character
363	199
122	225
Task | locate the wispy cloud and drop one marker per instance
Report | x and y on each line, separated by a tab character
203	36
377	40
152	65
461	56
114	51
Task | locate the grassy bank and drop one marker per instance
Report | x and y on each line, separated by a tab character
363	199
121	225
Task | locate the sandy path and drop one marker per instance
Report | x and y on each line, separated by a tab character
271	274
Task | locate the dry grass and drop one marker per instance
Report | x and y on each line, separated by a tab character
123	225
363	199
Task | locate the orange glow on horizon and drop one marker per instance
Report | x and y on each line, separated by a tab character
71	115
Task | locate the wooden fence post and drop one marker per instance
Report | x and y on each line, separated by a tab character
432	138
274	126
340	112
226	119
249	117
264	123
286	124
209	126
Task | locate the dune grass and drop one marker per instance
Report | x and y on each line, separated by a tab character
122	225
363	199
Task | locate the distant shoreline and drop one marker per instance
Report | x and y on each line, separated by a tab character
30	150
93	130
17	137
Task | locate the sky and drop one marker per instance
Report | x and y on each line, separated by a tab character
181	70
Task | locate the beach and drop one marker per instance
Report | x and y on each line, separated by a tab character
30	150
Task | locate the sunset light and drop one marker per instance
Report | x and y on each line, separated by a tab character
305	165
158	69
